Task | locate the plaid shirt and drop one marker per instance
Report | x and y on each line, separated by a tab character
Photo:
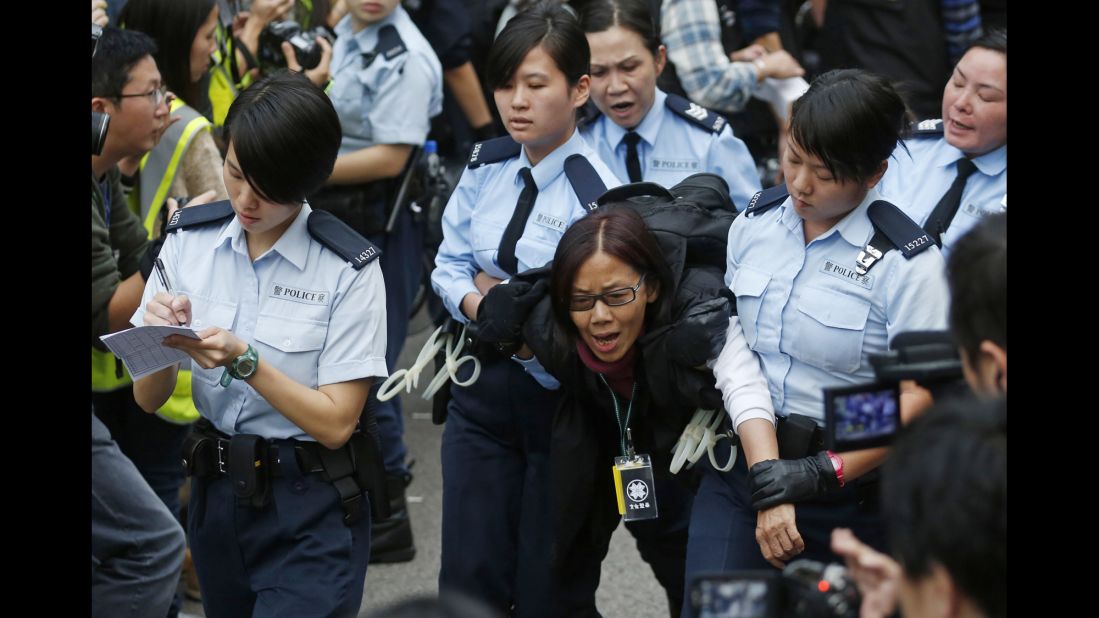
691	30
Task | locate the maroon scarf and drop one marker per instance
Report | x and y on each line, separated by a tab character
619	374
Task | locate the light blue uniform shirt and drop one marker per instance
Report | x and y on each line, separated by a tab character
302	307
812	320
479	211
918	182
391	101
672	148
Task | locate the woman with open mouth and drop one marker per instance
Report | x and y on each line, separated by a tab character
955	169
638	130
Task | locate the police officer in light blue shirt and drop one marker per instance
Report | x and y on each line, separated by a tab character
289	307
641	132
825	275
512	205
955	169
386	86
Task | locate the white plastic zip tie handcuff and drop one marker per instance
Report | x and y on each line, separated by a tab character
698	437
409	379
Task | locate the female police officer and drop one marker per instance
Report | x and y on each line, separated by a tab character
386	86
641	132
823	276
955	170
288	304
506	215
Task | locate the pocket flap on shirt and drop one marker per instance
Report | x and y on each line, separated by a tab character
206	312
834	309
749	282
290	335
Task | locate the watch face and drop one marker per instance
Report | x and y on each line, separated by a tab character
246	367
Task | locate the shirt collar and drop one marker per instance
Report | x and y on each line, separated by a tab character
293	245
649	128
549	168
855	227
989	164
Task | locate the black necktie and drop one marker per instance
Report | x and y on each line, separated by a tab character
506	255
948	206
633	164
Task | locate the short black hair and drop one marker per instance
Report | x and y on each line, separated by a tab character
548	24
977	272
944	498
851	120
117	53
286	135
618	231
633	15
174	25
994	39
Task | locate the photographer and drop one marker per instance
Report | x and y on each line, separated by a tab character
944	500
137	546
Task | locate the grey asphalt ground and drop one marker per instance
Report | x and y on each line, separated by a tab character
627	586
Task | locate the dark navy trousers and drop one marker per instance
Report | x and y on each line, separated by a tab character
497	533
662	543
294	557
722	533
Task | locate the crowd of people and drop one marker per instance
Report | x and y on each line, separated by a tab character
636	241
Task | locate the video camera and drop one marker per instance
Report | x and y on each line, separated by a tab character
804	589
868	415
306	48
100	121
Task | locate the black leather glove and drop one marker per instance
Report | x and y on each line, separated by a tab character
503	311
786	481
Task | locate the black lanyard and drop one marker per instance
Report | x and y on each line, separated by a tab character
617	415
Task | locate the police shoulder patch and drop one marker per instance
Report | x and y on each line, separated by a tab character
766	199
585	180
897	227
928	128
493	150
695	113
202	214
341	239
389	44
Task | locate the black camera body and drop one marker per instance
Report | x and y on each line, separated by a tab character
804	589
868	415
304	42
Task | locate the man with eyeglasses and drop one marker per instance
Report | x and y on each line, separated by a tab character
137	545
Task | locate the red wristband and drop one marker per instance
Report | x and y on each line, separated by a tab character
837	463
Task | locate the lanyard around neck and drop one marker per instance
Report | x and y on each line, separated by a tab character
622	430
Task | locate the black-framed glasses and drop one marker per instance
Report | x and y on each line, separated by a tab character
613	298
156	95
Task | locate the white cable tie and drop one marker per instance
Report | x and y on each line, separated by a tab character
408	379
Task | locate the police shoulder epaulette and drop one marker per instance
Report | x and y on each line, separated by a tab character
766	199
341	239
928	128
202	214
389	44
892	229
693	112
585	180
493	150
